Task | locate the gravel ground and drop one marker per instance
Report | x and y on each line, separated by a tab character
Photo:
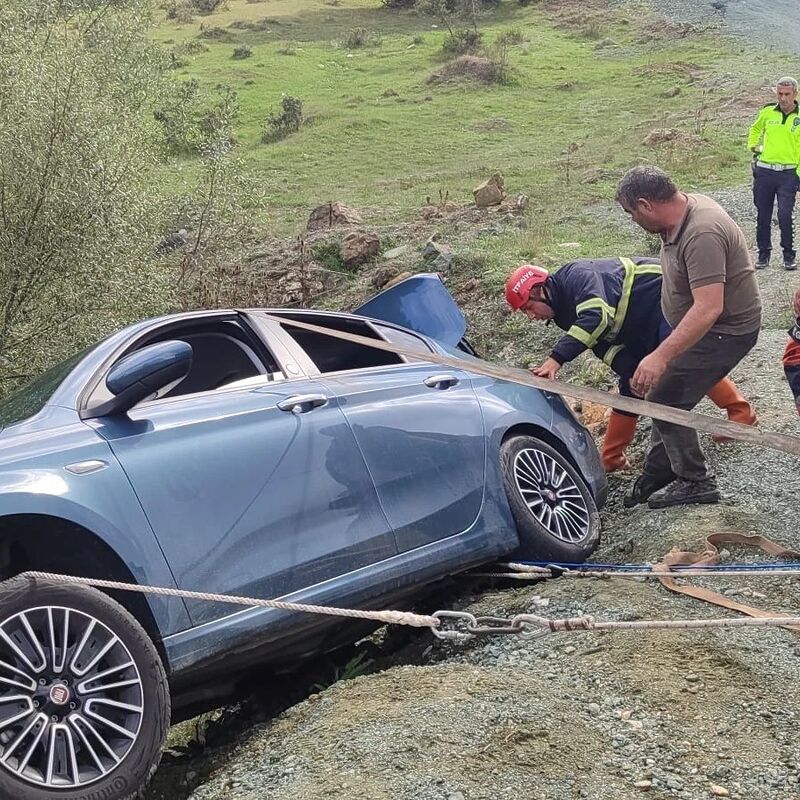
771	24
666	714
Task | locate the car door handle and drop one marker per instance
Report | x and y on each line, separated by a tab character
441	381
303	403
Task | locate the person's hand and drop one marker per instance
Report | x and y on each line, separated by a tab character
796	303
648	373
547	369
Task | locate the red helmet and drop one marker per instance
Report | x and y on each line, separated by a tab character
520	283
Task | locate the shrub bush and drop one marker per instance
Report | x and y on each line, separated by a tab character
208	6
358	37
242	51
215	33
290	120
511	36
328	255
461	42
179	12
399	3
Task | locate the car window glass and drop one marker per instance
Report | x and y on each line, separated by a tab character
218	359
224	356
30	399
330	354
403	338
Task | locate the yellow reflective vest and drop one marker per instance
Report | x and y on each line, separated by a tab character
775	136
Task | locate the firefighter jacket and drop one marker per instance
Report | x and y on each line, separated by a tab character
791	362
610	306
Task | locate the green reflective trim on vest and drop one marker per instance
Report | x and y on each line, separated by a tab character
595	302
631	271
612	353
647	269
606	317
582	336
625	296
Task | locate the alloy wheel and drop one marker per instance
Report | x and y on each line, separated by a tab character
71	698
551	495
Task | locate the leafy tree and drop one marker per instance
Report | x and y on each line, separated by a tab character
77	217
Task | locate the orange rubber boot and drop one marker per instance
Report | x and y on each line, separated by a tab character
725	395
620	433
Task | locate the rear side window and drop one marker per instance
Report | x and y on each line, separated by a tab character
336	355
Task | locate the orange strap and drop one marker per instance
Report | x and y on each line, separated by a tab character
710	556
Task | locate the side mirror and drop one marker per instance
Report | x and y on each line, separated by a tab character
143	373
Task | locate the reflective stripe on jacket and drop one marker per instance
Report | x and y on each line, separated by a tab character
611	306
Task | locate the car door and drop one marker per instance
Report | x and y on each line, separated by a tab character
419	426
256	488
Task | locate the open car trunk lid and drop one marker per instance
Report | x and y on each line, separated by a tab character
420	303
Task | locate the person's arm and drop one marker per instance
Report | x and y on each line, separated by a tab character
705	257
706	307
756	132
594	315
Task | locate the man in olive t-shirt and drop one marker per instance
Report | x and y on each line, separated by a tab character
710	298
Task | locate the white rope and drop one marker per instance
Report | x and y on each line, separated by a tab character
588	623
524	623
391	617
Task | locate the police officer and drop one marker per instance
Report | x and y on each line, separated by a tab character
611	306
775	142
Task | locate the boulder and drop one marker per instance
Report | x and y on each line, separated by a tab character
294	288
173	241
359	247
514	205
437	256
331	214
491	192
382	276
397	278
396	252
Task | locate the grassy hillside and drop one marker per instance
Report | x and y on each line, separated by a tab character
381	137
590	88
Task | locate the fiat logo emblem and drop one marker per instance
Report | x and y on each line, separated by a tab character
59	694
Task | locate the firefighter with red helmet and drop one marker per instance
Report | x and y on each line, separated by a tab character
613	308
791	356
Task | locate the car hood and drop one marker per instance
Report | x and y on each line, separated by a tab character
420	303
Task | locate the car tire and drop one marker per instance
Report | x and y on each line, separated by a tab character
554	511
88	686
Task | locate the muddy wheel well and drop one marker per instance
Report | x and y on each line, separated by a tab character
50	544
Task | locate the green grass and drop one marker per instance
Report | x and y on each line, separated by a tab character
385	154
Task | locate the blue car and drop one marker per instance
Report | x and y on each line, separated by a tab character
234	452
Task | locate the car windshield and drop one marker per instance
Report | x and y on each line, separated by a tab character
32	397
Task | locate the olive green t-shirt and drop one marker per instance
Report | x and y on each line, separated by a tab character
709	247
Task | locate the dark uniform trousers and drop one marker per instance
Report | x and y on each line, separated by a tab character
767	185
674	449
